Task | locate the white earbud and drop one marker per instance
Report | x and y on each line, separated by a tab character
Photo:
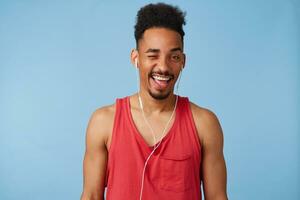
135	63
137	75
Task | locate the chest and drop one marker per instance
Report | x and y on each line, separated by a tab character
152	128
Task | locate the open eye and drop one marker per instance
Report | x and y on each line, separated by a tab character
176	57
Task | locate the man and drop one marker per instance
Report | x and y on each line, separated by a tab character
155	144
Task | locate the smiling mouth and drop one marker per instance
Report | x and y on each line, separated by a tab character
162	81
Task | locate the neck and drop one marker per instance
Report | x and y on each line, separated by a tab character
152	105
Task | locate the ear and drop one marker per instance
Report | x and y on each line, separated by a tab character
183	61
134	56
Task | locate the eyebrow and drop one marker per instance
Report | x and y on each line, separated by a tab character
176	49
157	50
152	50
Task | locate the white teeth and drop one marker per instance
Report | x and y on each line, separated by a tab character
161	78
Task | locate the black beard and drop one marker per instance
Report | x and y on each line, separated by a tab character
159	96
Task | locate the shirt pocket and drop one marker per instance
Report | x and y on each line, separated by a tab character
175	173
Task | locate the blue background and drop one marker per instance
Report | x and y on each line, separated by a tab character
60	60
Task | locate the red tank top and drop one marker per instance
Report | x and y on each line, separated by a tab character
172	172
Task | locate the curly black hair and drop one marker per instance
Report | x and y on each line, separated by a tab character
159	15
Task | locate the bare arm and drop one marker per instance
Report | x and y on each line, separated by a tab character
95	158
213	163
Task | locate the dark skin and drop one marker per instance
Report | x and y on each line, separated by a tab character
160	51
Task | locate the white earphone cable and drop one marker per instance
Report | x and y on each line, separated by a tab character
150	127
155	146
141	103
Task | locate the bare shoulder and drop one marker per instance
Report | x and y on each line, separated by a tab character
207	124
100	125
104	114
96	154
204	115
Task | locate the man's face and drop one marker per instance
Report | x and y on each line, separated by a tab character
160	59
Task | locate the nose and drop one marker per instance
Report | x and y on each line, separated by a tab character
163	65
